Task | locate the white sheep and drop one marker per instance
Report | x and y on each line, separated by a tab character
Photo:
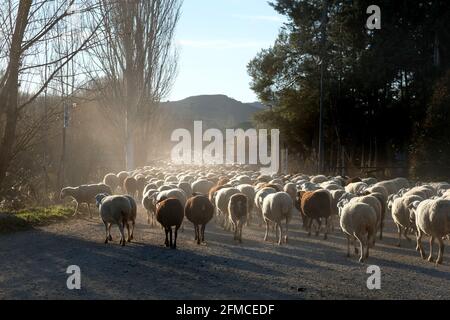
259	200
358	221
222	199
432	219
276	208
401	214
114	210
202	187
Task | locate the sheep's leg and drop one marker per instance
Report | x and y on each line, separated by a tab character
148	216
381	229
348	247
106	230
76	210
109	232
280	239
122	234
133	225
90	213
309	226
419	244
170	235
128	231
325	237
406	234
203	232
176	236
287	231
319	226
241	225
196	233
167	237
430	258
267	230
399	230
277	235
441	252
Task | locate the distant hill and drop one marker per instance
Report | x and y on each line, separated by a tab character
216	111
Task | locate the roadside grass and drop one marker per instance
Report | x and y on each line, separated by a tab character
30	217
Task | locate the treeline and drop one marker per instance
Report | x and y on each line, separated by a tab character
386	95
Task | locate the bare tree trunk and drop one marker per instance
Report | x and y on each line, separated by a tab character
10	91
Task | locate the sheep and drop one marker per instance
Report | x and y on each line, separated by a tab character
202	187
199	210
356	187
130	186
114	210
131	217
318	179
335	197
358	220
85	194
376	205
291	189
249	191
401	214
221	203
141	183
150	186
315	205
352	180
382	201
186	187
238	211
122	176
432	219
276	208
111	180
170	213
259	200
173	193
148	202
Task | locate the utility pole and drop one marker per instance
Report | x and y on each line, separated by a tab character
323	28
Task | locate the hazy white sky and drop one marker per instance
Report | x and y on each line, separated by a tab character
216	40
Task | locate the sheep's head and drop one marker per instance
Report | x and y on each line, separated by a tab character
99	198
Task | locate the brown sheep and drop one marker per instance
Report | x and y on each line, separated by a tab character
238	210
130	186
199	210
315	205
170	213
141	183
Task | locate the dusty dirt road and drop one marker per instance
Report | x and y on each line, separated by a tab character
33	266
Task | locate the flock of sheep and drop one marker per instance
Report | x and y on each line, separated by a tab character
236	196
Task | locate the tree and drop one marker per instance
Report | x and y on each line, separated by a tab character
25	26
377	82
132	67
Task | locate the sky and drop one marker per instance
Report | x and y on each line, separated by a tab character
216	39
